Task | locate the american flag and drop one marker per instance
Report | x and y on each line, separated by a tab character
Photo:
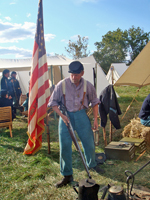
39	91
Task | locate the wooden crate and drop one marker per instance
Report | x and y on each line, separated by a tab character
120	151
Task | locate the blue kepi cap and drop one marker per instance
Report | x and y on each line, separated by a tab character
75	67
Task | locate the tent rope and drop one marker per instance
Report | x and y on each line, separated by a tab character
130	104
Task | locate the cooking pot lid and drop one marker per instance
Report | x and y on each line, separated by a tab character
115	189
87	183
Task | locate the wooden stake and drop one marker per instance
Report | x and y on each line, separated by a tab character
104	136
140	156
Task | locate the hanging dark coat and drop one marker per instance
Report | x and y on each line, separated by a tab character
109	104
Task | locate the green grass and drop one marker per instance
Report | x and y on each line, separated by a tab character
33	177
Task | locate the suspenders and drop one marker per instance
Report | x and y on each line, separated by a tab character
64	92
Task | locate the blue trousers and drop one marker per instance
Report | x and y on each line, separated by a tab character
82	125
145	122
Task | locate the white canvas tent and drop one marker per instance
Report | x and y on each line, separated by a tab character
57	69
23	66
101	81
115	71
138	73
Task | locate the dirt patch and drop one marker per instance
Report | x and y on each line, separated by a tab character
140	192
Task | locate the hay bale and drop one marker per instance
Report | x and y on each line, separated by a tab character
136	130
126	131
145	134
134	133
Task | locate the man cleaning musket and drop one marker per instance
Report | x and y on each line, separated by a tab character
76	94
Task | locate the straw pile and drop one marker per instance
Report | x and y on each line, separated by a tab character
136	130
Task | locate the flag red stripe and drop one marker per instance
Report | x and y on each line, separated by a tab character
42	89
33	134
37	71
41	110
42	70
34	77
32	109
34	48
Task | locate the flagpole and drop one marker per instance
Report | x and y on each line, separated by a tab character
48	134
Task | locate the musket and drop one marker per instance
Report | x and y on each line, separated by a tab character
73	136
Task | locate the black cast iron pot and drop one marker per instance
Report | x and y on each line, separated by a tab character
88	190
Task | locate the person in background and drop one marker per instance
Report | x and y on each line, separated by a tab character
4	101
25	103
5	85
15	90
76	103
144	114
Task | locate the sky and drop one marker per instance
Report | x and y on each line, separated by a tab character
64	20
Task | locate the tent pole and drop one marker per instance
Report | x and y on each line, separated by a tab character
96	77
61	71
110	135
52	81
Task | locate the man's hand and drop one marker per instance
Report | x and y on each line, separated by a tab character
65	119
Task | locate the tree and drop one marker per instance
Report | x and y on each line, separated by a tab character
112	49
78	49
117	45
137	40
